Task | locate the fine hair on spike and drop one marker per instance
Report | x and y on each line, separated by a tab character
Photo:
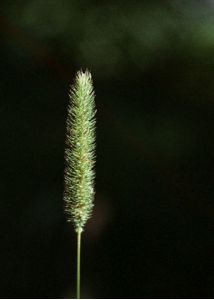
80	151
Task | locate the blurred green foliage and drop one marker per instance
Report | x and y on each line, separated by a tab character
109	36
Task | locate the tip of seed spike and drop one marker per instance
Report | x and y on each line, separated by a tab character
84	76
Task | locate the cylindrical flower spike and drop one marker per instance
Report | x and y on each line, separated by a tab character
80	151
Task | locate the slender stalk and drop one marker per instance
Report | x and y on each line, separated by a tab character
78	262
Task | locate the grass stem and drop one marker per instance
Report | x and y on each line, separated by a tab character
78	261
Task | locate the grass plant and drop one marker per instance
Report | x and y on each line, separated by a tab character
80	158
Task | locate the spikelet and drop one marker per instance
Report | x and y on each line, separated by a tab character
80	151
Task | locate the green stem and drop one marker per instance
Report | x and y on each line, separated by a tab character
78	261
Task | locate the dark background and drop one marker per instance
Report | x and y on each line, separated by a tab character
151	235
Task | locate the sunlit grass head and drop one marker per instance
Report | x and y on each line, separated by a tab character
80	149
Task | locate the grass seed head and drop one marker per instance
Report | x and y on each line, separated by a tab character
80	151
